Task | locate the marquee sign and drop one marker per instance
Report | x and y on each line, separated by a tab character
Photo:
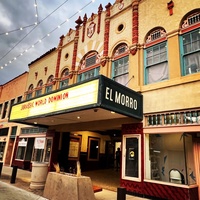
98	92
74	97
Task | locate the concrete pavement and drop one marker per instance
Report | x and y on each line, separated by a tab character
20	189
10	192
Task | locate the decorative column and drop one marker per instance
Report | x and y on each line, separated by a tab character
84	23
106	35
59	57
99	18
134	27
79	22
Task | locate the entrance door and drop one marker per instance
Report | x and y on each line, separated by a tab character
131	166
9	152
110	151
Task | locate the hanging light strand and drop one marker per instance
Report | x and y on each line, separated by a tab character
36	25
36	12
45	36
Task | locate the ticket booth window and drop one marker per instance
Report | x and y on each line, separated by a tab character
42	149
131	157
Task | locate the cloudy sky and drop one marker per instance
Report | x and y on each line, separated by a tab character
19	47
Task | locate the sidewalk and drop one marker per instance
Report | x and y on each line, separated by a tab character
20	189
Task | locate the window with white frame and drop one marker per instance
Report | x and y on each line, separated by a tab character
131	157
64	78
169	158
49	85
120	64
89	66
155	57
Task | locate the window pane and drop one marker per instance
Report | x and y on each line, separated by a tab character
165	158
64	83
192	63
38	155
48	150
29	96
13	130
49	88
195	41
157	72
20	152
191	41
29	149
123	79
88	74
38	93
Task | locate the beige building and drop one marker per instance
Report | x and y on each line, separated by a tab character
10	93
150	53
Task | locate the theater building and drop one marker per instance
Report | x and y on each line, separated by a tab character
126	77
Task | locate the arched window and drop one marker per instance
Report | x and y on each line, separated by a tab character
38	90
64	78
155	56
120	64
89	66
49	85
30	92
190	43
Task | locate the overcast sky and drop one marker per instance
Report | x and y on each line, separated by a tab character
21	13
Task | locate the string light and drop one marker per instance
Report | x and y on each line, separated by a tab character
47	35
24	27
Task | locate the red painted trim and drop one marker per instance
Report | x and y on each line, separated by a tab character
107	30
190	28
120	56
99	18
156	41
135	23
59	56
160	191
88	68
84	23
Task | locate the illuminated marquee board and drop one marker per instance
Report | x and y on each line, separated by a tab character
77	96
98	92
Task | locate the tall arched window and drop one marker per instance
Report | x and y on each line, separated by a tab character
155	56
64	78
38	90
120	64
190	43
30	92
89	66
49	85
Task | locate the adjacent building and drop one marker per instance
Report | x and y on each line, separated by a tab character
10	93
126	77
